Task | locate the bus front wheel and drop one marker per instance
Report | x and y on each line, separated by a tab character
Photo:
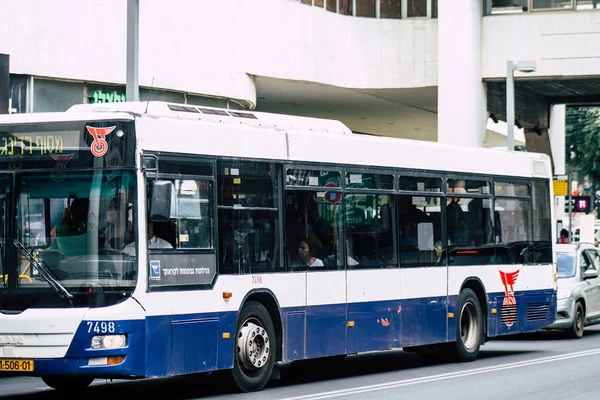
469	329
67	383
255	348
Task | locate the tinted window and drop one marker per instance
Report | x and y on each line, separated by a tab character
513	231
304	177
357	180
468	186
471	235
313	230
511	189
193	216
369	230
420	184
419	230
248	216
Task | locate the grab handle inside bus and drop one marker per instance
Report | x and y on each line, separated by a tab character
160	200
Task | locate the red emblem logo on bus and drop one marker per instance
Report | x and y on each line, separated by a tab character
509	305
99	146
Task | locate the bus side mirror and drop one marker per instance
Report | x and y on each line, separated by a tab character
160	200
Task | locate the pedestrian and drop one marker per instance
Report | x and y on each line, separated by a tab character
564	236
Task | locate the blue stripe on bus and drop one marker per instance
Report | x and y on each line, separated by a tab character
183	344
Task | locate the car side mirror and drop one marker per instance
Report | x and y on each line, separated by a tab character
160	200
590	273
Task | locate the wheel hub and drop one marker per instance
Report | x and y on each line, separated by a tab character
468	326
253	346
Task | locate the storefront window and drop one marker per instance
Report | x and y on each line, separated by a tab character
345	7
51	96
551	4
365	8
507	6
390	9
588	4
416	8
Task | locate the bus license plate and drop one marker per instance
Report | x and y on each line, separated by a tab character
16	365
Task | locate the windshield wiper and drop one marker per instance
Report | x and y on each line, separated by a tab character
56	285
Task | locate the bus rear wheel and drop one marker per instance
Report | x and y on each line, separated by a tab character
67	383
254	348
469	329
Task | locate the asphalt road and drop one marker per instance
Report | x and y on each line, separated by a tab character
543	365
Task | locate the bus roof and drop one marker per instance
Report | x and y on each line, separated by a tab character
249	134
32	118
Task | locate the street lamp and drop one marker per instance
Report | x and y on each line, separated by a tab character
511	67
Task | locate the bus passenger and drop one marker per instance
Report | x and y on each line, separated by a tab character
71	231
306	256
118	230
154	242
458	232
564	236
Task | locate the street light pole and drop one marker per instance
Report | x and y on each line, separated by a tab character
511	67
132	89
510	106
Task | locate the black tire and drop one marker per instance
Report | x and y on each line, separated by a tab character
469	329
576	330
253	363
67	383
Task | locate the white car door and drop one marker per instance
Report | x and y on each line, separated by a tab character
593	285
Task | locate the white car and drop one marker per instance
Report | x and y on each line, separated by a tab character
578	288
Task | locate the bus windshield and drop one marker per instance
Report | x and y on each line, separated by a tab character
72	239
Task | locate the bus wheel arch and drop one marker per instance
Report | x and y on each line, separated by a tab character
476	286
469	329
268	300
257	343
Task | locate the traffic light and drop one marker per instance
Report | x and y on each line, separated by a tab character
579	204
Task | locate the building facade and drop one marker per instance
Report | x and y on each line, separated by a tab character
422	69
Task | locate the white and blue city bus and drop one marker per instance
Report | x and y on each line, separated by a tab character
155	239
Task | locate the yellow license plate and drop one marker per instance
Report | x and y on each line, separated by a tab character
16	365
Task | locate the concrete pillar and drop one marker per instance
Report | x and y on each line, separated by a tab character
462	111
556	136
557	131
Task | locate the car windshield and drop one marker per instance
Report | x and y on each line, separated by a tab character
566	265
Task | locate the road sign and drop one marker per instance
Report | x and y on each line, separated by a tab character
332	197
561	188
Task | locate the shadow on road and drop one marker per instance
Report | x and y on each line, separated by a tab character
549	335
207	386
364	365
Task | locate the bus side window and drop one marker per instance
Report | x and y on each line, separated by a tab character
248	217
369	236
310	217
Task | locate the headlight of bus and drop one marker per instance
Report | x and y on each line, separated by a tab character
109	341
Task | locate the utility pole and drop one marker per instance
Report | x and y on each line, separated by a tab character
132	89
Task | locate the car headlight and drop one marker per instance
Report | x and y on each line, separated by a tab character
109	341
